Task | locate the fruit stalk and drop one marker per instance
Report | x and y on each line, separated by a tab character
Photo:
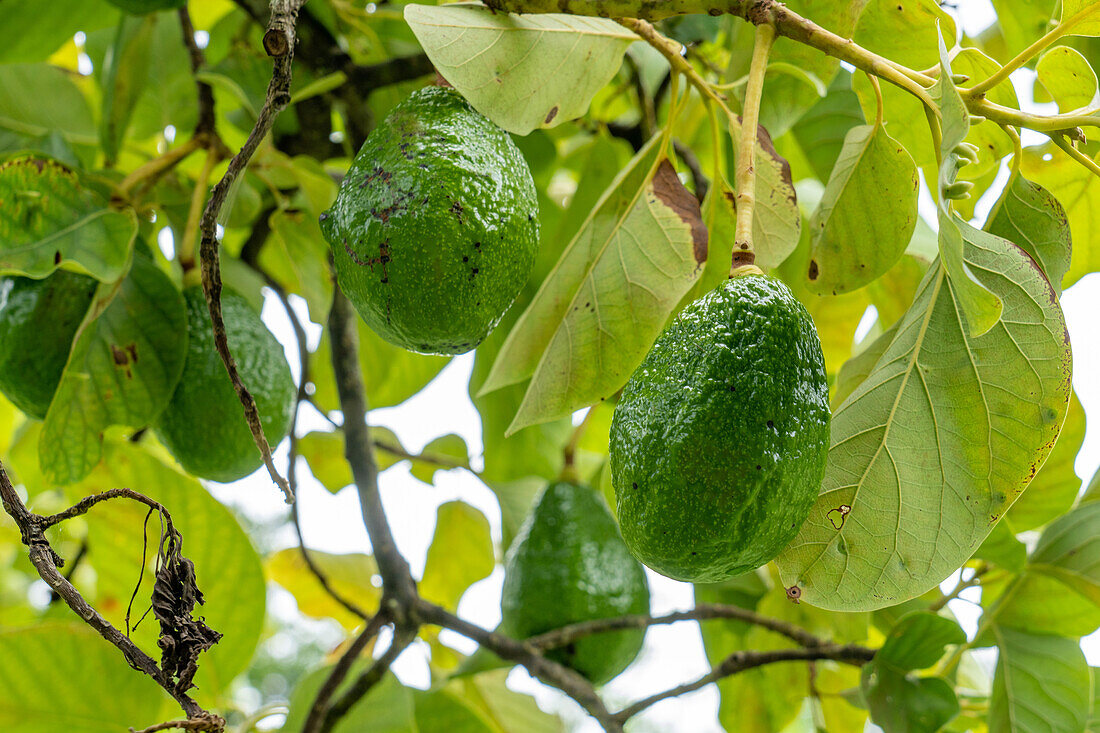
743	254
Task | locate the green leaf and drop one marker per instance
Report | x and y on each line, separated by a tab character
992	142
867	213
437	454
1041	604
388	708
795	84
170	96
296	256
1053	490
481	704
50	219
906	31
931	449
1002	548
521	71
1078	190
1081	17
351	575
65	677
123	76
902	702
45	27
905	704
859	367
917	641
227	568
1022	22
391	374
58	104
981	307
122	370
516	499
822	130
1069	550
461	554
1041	684
1031	218
1066	74
607	299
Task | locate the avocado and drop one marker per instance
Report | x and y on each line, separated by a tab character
435	227
719	441
203	425
568	564
38	322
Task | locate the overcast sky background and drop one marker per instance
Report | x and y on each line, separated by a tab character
672	654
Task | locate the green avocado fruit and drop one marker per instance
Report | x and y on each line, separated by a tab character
203	425
38	322
435	228
719	441
568	564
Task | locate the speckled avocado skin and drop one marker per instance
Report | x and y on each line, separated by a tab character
435	228
568	564
38	322
203	425
718	444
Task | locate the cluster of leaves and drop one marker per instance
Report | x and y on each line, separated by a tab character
944	412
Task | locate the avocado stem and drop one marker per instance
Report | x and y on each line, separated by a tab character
743	253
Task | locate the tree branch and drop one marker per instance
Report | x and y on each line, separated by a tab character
744	660
397	580
319	711
46	561
701	612
402	637
556	675
279	43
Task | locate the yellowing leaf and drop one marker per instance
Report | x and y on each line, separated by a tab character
608	297
938	441
461	554
1081	17
1066	74
350	575
521	71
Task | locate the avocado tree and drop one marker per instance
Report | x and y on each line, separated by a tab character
764	296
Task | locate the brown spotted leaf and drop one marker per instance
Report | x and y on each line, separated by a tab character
601	307
932	448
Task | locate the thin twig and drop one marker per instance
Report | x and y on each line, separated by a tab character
279	43
203	724
702	612
744	660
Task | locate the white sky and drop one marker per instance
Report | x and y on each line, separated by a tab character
672	654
